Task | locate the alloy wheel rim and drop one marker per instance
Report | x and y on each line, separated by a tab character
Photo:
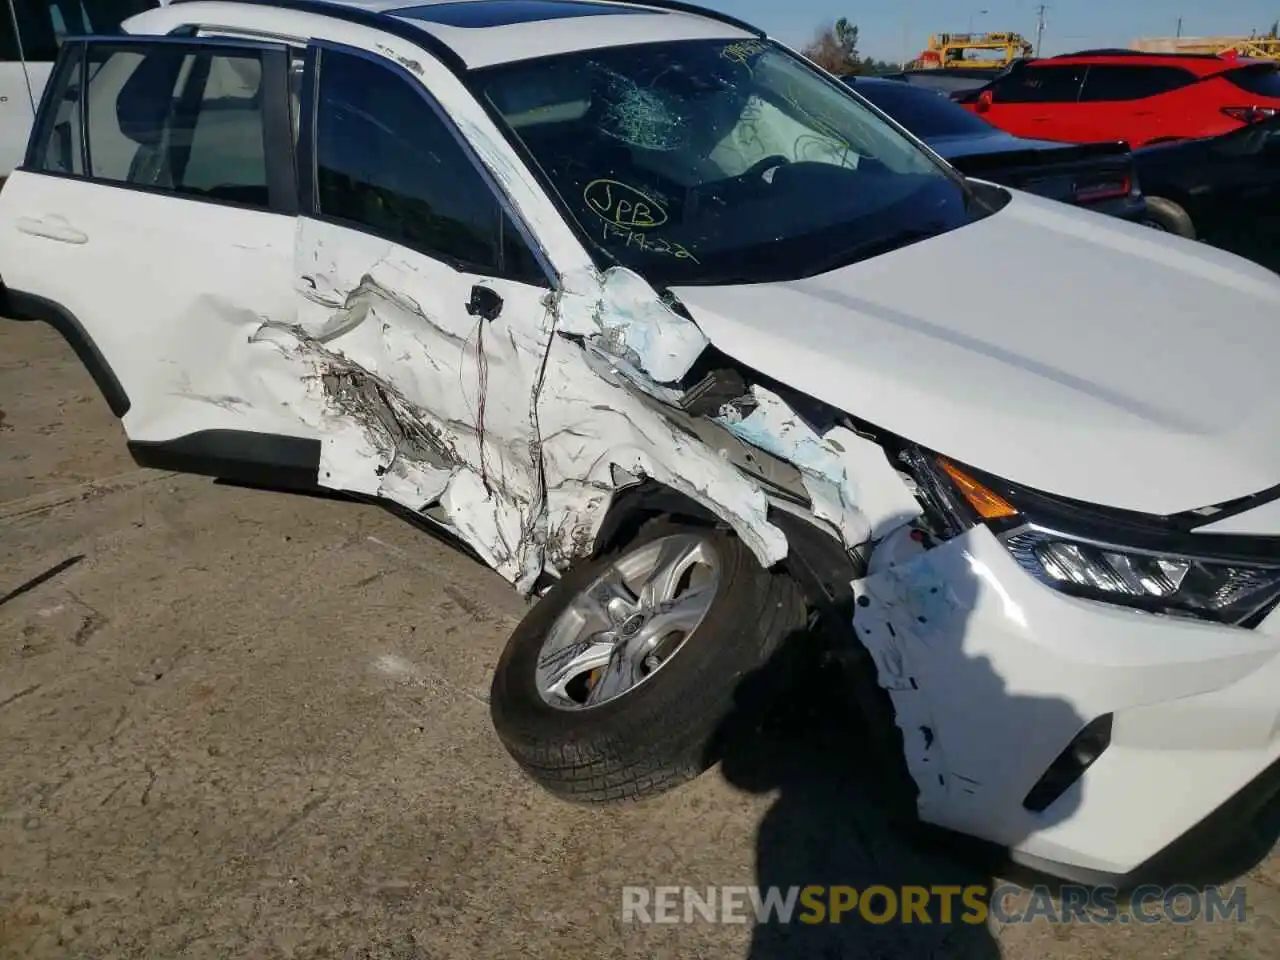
628	623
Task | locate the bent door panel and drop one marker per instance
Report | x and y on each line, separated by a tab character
423	319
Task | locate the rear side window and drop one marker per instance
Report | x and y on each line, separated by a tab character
924	112
1040	85
386	162
1262	80
43	24
1114	82
163	118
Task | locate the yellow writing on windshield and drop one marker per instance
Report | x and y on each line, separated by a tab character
647	242
624	206
742	52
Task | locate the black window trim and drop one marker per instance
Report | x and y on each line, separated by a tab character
1015	74
1089	68
307	198
282	191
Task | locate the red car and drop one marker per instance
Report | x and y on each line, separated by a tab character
1122	95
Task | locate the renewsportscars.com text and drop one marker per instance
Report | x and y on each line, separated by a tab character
973	904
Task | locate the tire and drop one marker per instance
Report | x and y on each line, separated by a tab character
669	727
1169	217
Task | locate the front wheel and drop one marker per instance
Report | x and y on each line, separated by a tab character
621	682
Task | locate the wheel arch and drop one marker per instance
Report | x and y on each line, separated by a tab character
636	504
32	308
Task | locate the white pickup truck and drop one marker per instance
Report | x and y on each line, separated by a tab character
30	33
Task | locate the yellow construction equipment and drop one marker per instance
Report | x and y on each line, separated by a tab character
994	50
1262	48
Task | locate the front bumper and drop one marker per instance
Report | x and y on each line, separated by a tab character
992	674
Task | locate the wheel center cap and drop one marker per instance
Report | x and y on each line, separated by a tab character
631	626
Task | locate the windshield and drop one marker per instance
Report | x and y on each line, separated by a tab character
718	162
924	112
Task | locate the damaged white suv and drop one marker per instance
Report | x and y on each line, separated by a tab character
666	326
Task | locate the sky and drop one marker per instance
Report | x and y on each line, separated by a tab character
888	29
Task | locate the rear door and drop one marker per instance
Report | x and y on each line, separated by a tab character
1129	103
1039	102
152	222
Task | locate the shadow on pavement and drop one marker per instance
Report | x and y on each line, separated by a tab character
841	816
844	817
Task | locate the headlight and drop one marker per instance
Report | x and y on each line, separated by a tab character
1180	579
1161	583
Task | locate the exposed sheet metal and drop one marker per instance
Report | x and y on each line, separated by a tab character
849	480
631	322
507	426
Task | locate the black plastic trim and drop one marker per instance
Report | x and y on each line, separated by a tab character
375	20
308	202
1127	53
388	22
1231	508
1067	768
677	6
1214	851
1174	534
282	182
28	306
254	458
68	57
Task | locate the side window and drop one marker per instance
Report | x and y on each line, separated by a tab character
1109	82
167	118
1040	85
385	161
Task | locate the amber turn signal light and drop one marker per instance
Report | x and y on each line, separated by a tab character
989	505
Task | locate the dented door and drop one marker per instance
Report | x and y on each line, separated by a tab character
153	224
423	312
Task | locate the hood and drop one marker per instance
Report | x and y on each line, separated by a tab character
1058	348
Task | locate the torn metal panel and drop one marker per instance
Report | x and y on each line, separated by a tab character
501	425
849	481
591	426
627	319
902	607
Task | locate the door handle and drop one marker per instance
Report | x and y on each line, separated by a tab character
52	228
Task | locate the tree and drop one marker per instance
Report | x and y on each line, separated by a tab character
835	48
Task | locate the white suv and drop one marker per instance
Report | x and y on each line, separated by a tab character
679	335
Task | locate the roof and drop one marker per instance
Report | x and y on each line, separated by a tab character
1201	64
477	33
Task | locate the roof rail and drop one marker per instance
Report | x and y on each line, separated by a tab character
679	6
1120	52
387	21
366	18
1102	52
